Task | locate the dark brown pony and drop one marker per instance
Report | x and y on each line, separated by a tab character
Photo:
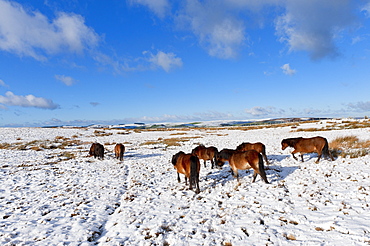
223	156
308	145
188	165
243	160
259	147
97	150
205	153
119	150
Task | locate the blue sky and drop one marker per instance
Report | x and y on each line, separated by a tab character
77	62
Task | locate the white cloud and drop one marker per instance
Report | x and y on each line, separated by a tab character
314	25
366	9
362	106
221	26
215	25
159	7
2	83
65	79
27	33
214	115
287	70
357	39
149	61
27	101
261	111
166	61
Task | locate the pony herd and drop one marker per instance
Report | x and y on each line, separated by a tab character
245	156
97	150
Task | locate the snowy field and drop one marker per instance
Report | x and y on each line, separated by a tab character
53	194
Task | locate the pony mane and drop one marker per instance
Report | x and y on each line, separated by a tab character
291	141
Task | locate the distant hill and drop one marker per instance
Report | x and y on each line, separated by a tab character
219	123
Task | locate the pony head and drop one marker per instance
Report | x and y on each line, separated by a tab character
284	144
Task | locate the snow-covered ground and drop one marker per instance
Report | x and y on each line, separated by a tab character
59	196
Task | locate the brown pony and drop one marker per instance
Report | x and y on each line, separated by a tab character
205	153
97	150
259	147
307	145
243	160
119	149
188	165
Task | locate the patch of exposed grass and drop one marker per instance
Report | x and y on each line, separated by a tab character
349	146
169	141
178	133
102	133
5	146
356	124
68	155
38	145
312	129
340	125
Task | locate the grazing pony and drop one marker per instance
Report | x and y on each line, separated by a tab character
188	165
308	145
205	153
223	156
244	160
97	150
119	149
259	147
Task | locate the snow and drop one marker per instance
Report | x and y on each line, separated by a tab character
59	196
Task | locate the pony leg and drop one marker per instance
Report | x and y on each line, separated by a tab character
236	174
318	159
204	163
302	157
178	177
295	158
330	155
254	176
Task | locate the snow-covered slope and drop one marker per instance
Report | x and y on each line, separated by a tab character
59	196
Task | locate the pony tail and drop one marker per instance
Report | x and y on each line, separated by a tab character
261	168
326	150
193	168
194	175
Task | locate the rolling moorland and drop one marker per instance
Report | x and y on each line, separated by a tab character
53	193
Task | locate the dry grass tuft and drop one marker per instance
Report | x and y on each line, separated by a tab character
349	146
312	129
169	141
340	125
38	145
102	133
